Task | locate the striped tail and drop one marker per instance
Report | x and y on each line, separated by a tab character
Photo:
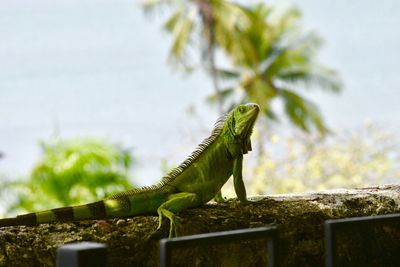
120	205
95	210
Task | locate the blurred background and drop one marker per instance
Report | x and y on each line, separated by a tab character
99	96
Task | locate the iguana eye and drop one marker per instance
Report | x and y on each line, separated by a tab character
241	109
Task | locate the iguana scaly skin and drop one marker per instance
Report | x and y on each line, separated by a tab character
194	182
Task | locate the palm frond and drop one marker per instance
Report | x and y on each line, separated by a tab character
311	76
173	20
181	25
152	5
223	93
289	51
228	75
302	112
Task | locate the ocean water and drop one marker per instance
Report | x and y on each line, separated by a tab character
98	68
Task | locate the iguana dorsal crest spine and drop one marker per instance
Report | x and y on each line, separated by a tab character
218	127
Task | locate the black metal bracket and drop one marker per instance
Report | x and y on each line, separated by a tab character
268	233
82	254
333	226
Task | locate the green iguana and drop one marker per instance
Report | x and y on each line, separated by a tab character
194	182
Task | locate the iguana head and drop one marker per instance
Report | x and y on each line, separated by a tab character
241	122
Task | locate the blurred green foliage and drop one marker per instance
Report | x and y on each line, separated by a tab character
364	157
71	172
368	156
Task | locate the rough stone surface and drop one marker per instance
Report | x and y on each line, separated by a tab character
134	241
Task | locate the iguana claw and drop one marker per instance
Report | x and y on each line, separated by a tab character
175	223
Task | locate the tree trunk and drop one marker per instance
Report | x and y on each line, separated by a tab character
135	242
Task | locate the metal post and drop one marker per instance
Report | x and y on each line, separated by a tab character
271	247
82	254
330	245
269	233
332	227
165	253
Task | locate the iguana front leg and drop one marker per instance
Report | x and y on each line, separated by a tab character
175	203
238	179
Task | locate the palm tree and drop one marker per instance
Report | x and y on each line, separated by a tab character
271	57
211	20
274	60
